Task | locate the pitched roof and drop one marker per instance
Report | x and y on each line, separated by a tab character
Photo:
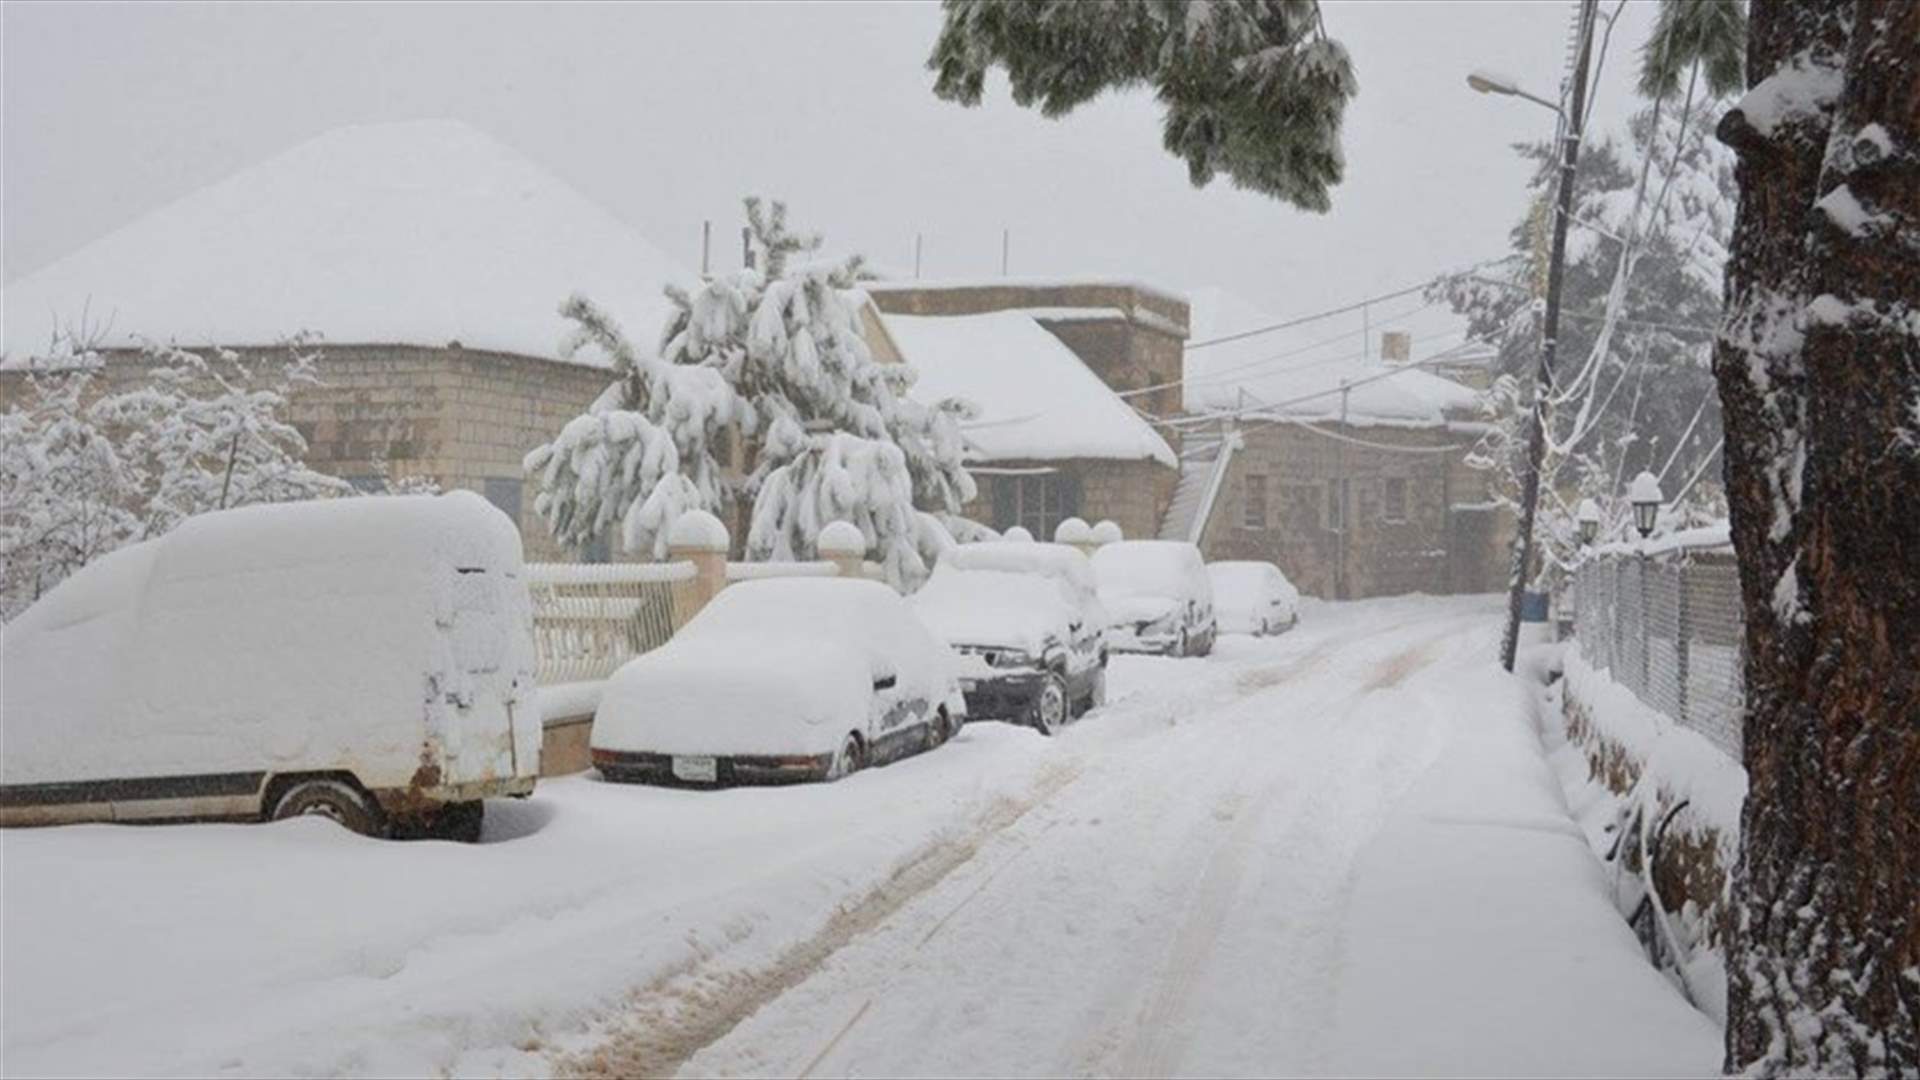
1037	400
403	233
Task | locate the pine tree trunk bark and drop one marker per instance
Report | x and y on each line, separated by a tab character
1819	372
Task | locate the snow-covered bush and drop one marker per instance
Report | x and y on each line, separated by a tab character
86	469
767	365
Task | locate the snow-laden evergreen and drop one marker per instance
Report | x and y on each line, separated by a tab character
86	468
763	396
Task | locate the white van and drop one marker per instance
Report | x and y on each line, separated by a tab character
370	660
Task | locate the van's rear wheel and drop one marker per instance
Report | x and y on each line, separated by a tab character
849	759
333	799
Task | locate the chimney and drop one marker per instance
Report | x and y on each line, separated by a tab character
1396	347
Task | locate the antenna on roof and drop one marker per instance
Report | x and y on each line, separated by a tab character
746	247
916	256
706	248
1005	240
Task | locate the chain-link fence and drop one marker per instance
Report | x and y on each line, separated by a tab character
1668	628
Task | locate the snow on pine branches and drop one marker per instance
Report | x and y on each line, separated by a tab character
763	396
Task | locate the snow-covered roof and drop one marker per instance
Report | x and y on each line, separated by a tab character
414	233
1037	399
1255	371
1067	281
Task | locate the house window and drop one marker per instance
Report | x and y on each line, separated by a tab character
504	492
1254	507
1037	503
1303	507
1335	503
1394	499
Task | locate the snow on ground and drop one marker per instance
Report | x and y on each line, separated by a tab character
1336	850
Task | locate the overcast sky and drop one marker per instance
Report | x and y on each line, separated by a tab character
666	114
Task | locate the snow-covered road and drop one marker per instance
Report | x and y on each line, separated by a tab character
1244	864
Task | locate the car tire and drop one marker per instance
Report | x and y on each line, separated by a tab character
1097	692
1051	705
337	800
1205	648
940	729
1180	647
849	759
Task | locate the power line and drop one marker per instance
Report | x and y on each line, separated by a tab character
1315	317
1269	406
1225	374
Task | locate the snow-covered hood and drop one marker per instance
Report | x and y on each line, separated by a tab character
772	696
1129	610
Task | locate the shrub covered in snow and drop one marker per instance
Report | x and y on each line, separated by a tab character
772	354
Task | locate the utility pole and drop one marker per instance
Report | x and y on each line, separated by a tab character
1570	130
1340	499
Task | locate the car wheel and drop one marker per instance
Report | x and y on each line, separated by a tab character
1205	648
1050	707
333	799
849	759
1180	647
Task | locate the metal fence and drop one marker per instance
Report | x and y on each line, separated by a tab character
589	618
1668	627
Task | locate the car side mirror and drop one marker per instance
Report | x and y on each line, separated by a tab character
886	682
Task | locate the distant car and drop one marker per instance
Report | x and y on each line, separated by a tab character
1027	622
1157	595
780	679
364	660
1252	598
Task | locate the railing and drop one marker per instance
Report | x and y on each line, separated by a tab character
1668	627
589	618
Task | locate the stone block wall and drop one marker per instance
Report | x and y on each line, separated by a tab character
1133	494
1413	551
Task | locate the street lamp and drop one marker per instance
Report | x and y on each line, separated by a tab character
1588	515
1492	82
1646	498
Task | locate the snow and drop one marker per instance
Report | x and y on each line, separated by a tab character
1226	375
778	666
1245	593
1161	569
295	636
1106	532
1645	488
1276	860
563	701
998	608
1017	535
840	538
1797	90
1073	531
1037	400
1065	566
697	530
419	233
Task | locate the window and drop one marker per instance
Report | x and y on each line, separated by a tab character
1394	499
1335	503
1037	502
1254	505
504	492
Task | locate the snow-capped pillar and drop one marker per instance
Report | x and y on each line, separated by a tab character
1076	534
1104	533
699	538
842	544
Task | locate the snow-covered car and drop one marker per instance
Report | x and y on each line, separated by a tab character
1252	598
1157	595
1026	620
366	660
780	679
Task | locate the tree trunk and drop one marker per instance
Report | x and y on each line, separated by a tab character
1819	373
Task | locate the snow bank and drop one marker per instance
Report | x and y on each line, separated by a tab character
1037	400
417	233
1515	962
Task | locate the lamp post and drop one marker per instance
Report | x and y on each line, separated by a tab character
1646	497
1588	515
1569	138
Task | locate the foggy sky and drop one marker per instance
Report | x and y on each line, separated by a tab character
667	114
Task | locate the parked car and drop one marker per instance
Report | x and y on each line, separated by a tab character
1157	596
366	660
780	679
1252	598
1027	622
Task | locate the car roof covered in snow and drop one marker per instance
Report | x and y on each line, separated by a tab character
1171	568
1037	400
416	233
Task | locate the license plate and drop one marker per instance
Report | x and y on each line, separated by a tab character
702	770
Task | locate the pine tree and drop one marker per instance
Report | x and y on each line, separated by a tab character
773	358
1254	90
1818	364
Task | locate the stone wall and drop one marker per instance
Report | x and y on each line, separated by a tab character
463	417
1388	549
1133	494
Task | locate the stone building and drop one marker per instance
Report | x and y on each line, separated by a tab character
1052	442
429	259
1355	483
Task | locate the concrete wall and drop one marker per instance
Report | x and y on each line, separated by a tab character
1430	548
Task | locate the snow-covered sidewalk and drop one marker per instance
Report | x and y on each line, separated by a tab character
1336	851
